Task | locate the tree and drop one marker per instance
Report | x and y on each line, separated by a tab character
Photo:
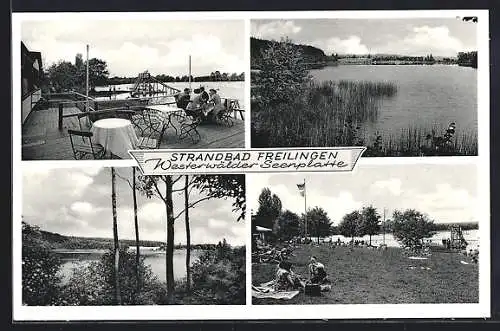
321	224
211	186
283	73
150	186
370	222
63	76
350	225
287	225
136	225
411	227
269	208
188	234
98	72
116	247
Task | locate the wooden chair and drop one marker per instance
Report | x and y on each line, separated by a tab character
82	146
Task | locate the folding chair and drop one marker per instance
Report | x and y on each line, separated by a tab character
82	146
149	141
189	127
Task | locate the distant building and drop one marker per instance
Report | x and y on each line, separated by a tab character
31	75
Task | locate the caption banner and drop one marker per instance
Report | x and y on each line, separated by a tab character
158	162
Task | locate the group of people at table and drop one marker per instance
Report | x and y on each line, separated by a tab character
117	135
205	105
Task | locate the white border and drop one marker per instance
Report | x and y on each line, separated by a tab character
481	309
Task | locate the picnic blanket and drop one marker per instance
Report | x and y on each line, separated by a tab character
266	290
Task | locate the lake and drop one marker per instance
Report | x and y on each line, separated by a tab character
428	95
471	236
154	259
233	90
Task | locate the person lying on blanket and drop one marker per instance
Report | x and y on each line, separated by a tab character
286	279
317	271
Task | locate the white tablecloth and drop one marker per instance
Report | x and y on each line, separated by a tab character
116	135
162	112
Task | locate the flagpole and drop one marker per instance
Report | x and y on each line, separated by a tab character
305	208
87	82
189	77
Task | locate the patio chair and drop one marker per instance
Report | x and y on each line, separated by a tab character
82	146
152	140
224	116
189	127
83	121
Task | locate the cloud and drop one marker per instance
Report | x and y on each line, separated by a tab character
448	204
423	40
134	46
350	45
392	185
275	29
81	207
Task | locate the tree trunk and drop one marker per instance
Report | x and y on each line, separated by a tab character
318	230
170	239
137	248
370	240
115	239
188	235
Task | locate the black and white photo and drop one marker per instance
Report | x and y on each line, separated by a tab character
110	236
94	89
384	235
400	87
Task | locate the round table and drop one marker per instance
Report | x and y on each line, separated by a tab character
116	135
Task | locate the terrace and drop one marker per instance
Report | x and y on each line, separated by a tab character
45	132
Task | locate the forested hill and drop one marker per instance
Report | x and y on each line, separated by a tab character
33	234
313	56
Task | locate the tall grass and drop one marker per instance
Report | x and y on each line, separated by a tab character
324	114
418	141
331	114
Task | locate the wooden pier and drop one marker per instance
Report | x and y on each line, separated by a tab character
45	136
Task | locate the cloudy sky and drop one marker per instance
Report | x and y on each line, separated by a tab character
446	193
441	37
132	46
77	201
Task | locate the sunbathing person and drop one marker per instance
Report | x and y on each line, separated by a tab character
317	272
286	279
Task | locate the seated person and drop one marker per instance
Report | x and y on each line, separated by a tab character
286	279
215	103
182	99
197	106
317	271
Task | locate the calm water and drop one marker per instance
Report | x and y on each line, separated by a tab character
156	260
471	236
233	90
428	96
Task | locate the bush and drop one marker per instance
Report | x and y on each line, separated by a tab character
40	281
219	276
94	284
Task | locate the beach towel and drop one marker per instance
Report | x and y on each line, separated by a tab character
266	290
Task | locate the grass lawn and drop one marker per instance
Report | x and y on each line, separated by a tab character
365	276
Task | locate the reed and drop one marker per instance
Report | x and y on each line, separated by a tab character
423	141
324	114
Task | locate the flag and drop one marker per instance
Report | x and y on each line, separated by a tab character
302	188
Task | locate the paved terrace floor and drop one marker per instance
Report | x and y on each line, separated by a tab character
42	140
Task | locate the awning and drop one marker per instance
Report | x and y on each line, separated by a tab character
262	229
